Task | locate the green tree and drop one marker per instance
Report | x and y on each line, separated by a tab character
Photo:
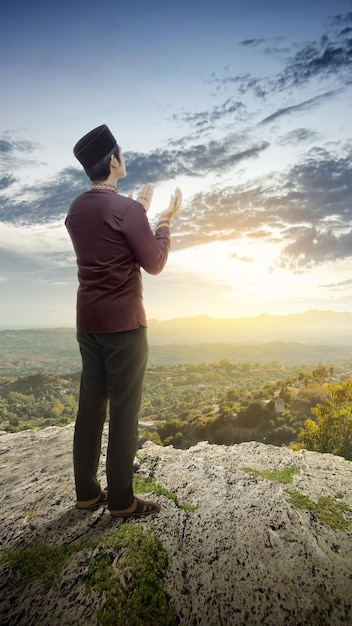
253	415
332	429
233	395
320	373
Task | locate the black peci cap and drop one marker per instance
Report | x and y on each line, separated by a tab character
94	146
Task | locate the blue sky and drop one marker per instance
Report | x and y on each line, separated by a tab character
245	105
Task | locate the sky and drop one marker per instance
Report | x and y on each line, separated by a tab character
246	105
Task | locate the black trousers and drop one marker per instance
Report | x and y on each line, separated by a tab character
113	367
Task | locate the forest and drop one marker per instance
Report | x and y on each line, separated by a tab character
222	402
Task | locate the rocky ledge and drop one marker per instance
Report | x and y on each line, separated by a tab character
247	548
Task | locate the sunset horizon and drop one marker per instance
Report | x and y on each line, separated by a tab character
203	319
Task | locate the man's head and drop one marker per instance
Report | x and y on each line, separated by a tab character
94	152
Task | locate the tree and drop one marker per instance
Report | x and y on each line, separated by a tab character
233	395
308	397
226	364
320	373
332	429
253	415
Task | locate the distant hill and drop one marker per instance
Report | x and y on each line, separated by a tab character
305	338
312	327
36	384
292	353
30	351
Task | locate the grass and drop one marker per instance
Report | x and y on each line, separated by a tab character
42	563
284	476
127	569
327	510
146	485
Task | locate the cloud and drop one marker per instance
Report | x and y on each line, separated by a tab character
50	200
11	146
307	209
35	257
19	267
302	106
204	120
255	41
339	286
196	160
328	56
320	187
43	203
299	135
244	83
321	58
312	247
243	259
13	153
6	181
5	147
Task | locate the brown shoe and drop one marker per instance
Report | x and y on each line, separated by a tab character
84	505
137	508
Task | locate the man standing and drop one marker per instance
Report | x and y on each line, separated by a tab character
112	240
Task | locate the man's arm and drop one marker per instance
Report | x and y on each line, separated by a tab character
151	250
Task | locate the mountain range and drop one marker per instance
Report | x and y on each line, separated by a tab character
312	327
303	338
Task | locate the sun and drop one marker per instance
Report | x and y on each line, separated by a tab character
231	262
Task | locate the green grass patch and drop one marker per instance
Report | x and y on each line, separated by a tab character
148	484
327	510
284	476
128	569
39	563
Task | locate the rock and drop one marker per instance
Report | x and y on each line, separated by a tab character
243	555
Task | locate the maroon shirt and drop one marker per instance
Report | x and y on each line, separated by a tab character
112	240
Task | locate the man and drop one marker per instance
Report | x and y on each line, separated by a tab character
112	240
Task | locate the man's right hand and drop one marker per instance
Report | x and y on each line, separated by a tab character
174	206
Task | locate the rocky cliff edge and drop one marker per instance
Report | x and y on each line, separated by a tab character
246	549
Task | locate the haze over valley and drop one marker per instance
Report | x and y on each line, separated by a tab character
308	338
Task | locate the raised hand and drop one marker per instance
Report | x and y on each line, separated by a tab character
174	205
145	195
